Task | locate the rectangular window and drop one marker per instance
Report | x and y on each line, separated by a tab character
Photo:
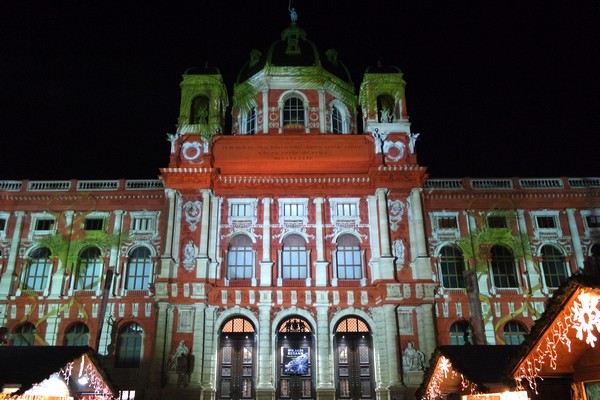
143	224
497	222
2	224
346	210
447	223
44	224
593	221
93	224
293	210
546	222
242	210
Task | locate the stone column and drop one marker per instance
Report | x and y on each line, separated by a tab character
391	337
265	389
426	330
208	354
6	281
325	386
384	226
320	263
167	267
266	265
204	225
421	264
386	262
159	366
197	347
575	238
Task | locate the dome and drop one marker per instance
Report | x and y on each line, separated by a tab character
206	70
383	69
294	50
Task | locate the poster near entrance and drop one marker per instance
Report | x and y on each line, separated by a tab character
295	360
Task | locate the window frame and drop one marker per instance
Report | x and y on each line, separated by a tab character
139	270
503	268
246	254
130	346
452	267
551	265
294	257
91	281
39	281
75	335
352	251
516	336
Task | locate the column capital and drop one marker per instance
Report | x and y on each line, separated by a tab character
118	212
20	214
570	211
267	200
319	200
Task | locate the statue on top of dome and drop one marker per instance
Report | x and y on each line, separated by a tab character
293	13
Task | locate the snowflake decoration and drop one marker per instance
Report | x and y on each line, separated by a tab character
445	366
586	317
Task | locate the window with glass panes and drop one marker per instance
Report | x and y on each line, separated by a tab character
36	274
129	346
293	112
503	267
349	265
514	333
294	258
553	264
452	267
240	258
251	121
89	269
460	333
24	335
337	125
139	269
77	335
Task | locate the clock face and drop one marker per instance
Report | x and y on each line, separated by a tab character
191	151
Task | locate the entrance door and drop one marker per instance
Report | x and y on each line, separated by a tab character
295	377
237	364
353	362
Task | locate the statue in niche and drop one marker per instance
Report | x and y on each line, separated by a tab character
413	359
399	251
412	141
395	215
189	255
180	362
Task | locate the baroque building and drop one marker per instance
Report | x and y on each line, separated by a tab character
292	249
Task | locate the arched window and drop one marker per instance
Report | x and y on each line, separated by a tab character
452	267
553	265
240	258
199	112
337	122
503	267
348	259
460	333
36	274
89	269
77	335
593	263
514	333
294	257
139	269
129	346
293	112
386	108
251	121
24	335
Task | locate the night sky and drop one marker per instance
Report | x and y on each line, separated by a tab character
89	89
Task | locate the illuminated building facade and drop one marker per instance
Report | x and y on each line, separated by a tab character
302	253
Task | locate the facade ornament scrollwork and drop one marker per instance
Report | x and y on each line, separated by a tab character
396	211
193	212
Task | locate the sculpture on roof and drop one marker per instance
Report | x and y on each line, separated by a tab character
293	13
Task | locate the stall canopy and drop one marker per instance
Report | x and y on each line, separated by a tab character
57	372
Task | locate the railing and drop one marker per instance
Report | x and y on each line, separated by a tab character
81	186
511	183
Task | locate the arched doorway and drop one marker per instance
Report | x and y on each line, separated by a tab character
353	360
237	360
295	360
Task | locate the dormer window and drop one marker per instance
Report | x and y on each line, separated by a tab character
199	112
337	124
293	113
250	122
